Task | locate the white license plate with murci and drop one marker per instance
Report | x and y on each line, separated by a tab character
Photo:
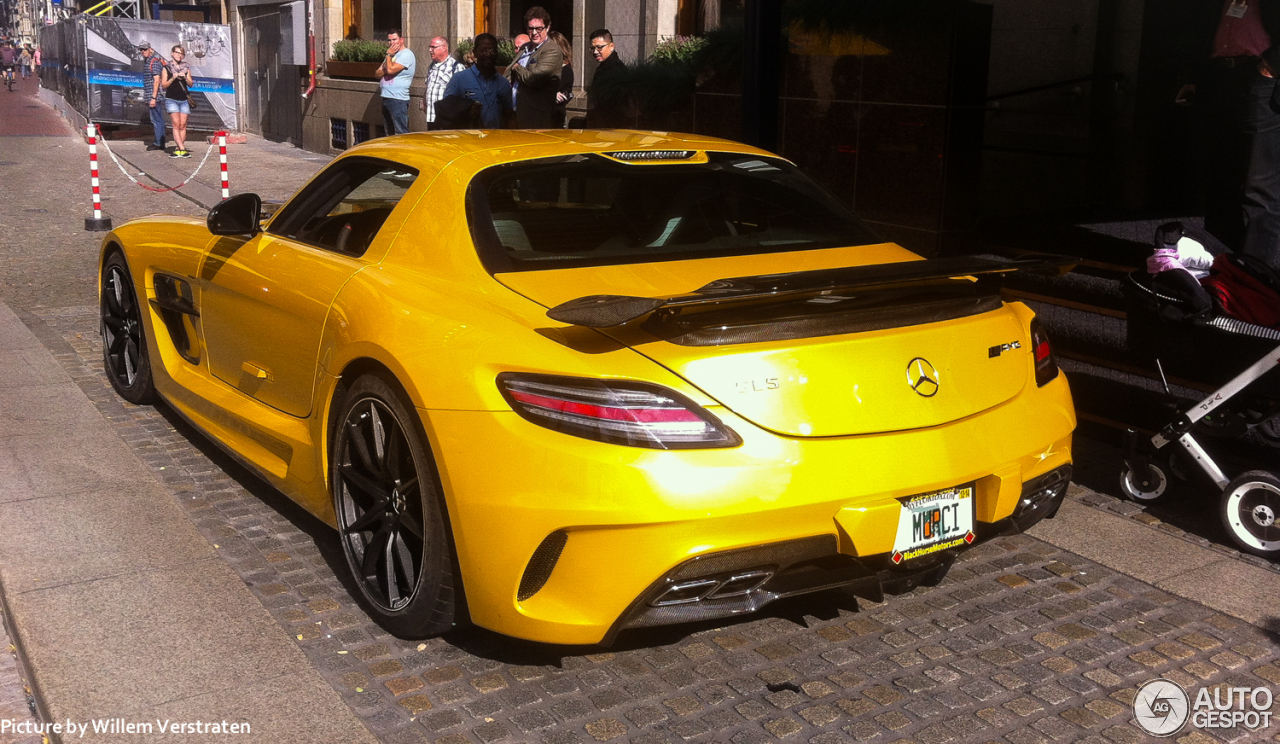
930	522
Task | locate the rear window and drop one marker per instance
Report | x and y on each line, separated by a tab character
589	210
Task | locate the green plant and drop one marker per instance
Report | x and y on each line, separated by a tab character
678	49
359	50
506	51
463	48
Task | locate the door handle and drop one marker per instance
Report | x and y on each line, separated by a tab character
253	370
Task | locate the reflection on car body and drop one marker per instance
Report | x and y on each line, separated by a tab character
562	384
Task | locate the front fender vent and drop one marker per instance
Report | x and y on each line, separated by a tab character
543	562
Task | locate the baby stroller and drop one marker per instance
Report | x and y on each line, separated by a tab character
1174	316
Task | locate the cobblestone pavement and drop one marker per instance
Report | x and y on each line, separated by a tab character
1022	642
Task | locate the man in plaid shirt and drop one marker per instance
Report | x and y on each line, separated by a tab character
443	67
155	94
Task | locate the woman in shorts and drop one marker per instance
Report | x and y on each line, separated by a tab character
177	81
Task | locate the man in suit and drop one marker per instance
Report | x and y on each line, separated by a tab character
535	74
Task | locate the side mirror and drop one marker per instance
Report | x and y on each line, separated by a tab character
236	216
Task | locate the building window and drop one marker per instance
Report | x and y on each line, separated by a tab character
359	132
696	17
386	17
338	134
352	18
371	19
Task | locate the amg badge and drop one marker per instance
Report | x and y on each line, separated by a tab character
999	349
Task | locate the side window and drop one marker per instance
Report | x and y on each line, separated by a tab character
344	208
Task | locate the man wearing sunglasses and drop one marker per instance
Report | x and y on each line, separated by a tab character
535	75
605	99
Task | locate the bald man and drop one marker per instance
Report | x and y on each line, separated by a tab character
443	66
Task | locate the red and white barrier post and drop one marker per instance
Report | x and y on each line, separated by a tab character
222	160
96	223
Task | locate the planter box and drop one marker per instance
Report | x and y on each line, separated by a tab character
356	70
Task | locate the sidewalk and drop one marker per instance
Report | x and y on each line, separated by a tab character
122	607
148	578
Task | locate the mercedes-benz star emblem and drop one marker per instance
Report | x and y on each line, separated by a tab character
922	377
1161	707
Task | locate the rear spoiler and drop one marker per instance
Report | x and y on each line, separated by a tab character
606	311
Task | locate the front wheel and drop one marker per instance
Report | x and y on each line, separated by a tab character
390	514
1144	481
1249	509
124	339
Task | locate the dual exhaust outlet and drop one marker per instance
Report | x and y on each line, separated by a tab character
697	590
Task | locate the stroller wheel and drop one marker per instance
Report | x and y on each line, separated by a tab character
1144	481
1250	509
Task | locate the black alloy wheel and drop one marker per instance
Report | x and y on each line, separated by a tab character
390	514
124	341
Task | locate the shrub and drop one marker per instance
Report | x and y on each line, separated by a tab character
463	48
359	50
678	49
506	51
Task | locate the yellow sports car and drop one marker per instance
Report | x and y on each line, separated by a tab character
561	384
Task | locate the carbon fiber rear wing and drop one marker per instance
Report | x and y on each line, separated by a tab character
607	311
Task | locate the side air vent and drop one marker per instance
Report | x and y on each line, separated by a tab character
541	565
633	156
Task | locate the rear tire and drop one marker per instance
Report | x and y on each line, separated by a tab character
390	515
124	338
1249	509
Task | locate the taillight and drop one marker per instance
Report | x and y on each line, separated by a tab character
637	414
1046	362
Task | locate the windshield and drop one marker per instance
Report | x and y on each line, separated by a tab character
589	210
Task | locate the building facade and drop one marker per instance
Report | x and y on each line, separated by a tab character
344	107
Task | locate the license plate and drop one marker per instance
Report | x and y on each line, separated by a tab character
930	522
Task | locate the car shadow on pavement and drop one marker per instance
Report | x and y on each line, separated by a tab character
322	535
821	606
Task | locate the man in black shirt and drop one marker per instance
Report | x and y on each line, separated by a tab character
606	99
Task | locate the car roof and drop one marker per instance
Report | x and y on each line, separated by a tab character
435	150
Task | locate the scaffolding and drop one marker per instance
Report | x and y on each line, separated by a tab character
120	8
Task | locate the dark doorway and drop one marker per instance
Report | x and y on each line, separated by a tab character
273	104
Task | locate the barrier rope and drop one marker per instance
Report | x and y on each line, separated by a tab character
143	173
